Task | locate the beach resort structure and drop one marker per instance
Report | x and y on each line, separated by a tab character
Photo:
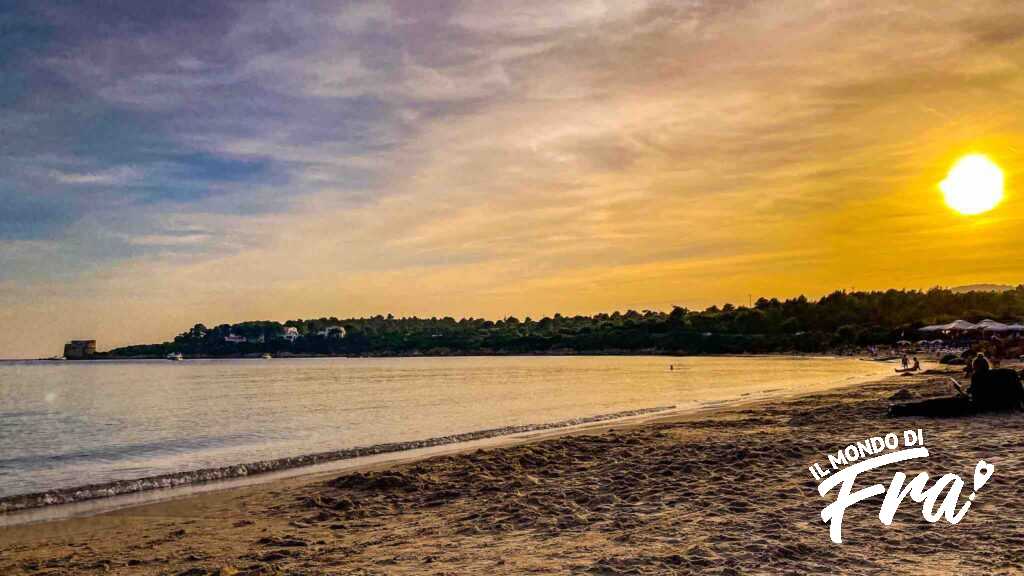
332	332
290	333
960	335
987	325
79	349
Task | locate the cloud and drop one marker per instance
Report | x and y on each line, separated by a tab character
168	240
118	176
481	158
532	18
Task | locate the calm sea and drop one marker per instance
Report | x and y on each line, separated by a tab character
65	424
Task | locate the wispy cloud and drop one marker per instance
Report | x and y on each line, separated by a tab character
497	157
118	176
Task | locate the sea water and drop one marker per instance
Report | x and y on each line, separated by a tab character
67	424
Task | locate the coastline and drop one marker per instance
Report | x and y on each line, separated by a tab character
554	353
170	483
724	490
61	496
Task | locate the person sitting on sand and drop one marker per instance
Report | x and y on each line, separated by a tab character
991	390
995	388
980	365
916	366
977	370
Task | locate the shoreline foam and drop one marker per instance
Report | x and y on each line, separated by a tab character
723	492
18	502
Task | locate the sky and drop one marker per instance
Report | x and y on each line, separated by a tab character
163	164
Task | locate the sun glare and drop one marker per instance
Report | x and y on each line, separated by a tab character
974	185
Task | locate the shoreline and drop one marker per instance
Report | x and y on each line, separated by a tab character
216	477
555	354
297	465
724	488
75	494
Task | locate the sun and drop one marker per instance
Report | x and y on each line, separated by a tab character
974	185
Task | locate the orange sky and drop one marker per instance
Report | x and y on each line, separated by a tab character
570	157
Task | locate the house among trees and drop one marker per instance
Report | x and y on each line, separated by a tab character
79	349
332	332
839	321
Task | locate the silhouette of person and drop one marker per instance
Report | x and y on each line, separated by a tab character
980	365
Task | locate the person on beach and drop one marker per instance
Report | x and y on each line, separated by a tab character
990	390
976	362
904	362
994	389
980	365
978	370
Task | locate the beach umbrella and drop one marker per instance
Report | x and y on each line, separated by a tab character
990	325
937	341
1016	327
960	325
954	325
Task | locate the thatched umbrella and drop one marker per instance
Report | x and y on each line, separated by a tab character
989	325
960	325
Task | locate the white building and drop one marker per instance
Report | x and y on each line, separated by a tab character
291	333
332	332
234	338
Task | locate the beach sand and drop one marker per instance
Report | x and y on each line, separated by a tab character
726	492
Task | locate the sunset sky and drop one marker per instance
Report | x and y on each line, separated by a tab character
166	163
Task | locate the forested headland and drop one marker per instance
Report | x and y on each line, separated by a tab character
836	321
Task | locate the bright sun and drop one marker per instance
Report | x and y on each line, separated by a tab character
974	185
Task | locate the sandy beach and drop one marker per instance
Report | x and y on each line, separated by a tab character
726	492
537	287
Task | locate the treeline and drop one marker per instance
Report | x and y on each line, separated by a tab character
839	320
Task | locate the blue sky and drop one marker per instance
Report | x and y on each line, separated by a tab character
168	163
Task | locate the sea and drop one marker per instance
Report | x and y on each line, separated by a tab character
69	424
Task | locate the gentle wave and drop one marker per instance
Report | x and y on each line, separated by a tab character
111	453
108	489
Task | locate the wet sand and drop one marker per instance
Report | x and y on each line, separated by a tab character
719	493
198	478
